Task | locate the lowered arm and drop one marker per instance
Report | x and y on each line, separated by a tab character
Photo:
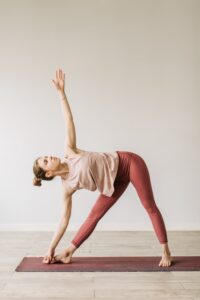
65	217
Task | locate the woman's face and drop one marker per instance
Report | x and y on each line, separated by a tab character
49	162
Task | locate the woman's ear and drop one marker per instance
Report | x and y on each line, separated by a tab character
49	173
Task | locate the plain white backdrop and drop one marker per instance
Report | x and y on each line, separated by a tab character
132	81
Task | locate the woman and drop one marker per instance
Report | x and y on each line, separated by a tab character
110	173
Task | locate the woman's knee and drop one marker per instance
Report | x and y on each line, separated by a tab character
95	215
151	209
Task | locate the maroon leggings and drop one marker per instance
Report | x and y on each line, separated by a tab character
132	168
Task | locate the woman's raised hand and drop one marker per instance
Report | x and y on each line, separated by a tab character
59	81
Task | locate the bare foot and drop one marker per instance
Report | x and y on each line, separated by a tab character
166	260
64	257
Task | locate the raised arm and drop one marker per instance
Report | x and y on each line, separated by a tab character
59	83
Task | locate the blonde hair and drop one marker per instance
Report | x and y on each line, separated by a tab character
39	174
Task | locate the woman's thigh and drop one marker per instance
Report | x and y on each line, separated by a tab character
104	203
140	178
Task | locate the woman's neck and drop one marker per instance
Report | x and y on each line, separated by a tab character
63	169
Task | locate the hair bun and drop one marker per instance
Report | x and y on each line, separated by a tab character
37	181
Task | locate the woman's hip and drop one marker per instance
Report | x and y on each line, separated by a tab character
127	159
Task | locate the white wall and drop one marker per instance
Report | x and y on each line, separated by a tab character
132	72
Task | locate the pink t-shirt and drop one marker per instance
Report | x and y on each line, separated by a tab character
92	170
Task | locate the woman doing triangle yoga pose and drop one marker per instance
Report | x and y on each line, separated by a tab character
108	172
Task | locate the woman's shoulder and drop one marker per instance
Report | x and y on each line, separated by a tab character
68	190
74	152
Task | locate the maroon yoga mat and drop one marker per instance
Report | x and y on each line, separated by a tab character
111	264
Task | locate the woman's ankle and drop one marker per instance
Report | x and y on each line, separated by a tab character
72	248
165	248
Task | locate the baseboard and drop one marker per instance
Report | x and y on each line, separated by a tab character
99	227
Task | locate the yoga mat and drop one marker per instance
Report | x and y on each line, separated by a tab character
111	264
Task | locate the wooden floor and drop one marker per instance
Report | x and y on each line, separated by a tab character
98	285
